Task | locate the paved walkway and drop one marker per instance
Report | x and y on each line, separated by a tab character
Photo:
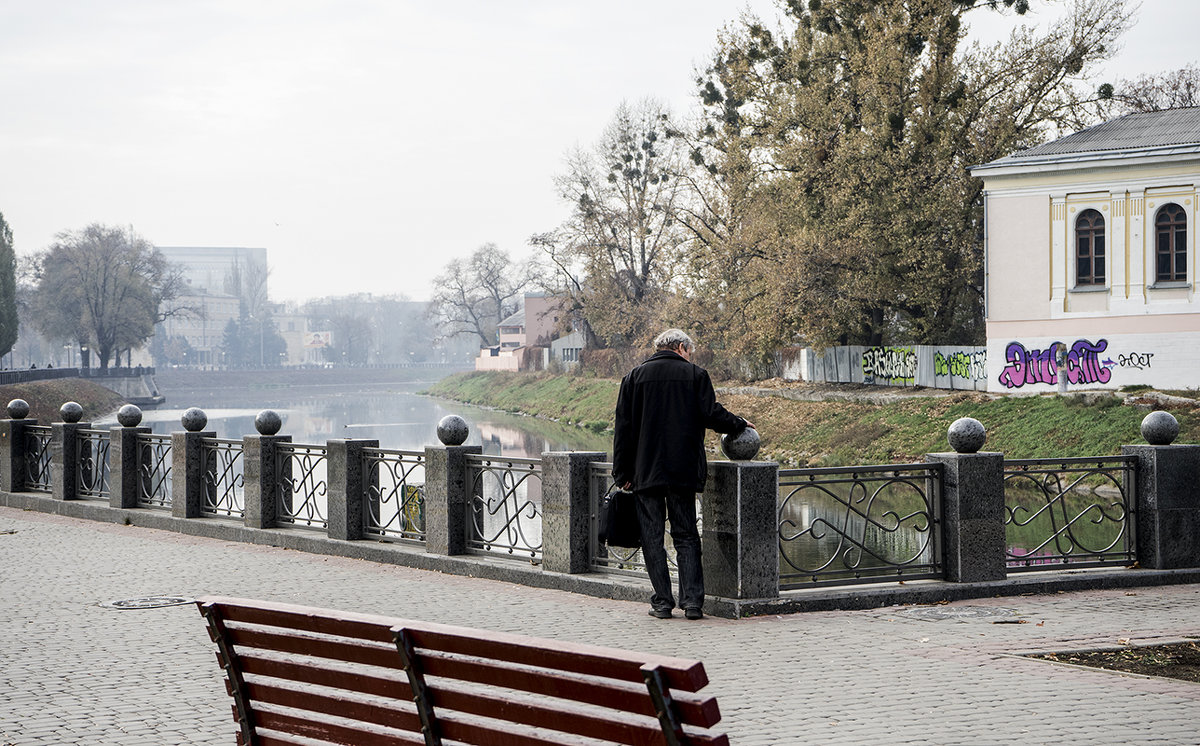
73	671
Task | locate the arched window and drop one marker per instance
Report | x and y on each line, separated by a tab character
1170	241
1089	248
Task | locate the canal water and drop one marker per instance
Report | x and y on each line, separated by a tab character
396	415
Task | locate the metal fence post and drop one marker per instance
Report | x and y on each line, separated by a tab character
12	446
567	510
187	465
740	539
1167	513
349	487
64	452
123	477
972	506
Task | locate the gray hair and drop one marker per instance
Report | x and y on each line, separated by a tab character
672	338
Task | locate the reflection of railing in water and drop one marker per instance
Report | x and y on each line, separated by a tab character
1072	511
37	458
620	559
303	490
506	511
395	485
154	470
859	524
224	480
91	473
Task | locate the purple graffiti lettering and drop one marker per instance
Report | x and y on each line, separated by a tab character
1081	364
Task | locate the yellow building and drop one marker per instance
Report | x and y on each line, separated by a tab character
1090	257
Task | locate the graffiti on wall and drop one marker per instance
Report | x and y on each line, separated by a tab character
891	363
972	365
1080	363
1139	360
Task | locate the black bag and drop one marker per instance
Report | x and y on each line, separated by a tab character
618	519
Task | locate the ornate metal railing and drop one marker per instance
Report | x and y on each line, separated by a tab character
618	559
154	470
37	458
506	505
224	480
302	499
859	524
1069	511
395	492
92	469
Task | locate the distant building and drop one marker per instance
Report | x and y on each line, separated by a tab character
1090	255
526	338
206	272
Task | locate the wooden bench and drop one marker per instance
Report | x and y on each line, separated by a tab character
305	675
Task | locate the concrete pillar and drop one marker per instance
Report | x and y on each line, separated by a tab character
64	459
447	498
261	474
973	516
187	473
740	539
349	487
1167	512
12	454
123	477
567	510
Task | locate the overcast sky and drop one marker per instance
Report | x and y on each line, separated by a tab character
364	143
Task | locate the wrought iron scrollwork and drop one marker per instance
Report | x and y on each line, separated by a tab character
1073	511
224	478
506	505
857	524
154	470
92	468
395	487
303	489
37	458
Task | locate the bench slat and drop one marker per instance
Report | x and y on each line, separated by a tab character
693	711
391	715
351	681
332	732
346	652
688	676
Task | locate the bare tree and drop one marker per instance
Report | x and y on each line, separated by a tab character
474	296
1175	89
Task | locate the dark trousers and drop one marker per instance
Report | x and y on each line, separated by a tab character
655	507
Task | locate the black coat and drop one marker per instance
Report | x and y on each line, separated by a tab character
663	408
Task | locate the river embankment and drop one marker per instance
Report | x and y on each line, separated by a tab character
46	397
806	425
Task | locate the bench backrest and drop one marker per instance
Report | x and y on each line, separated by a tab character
346	678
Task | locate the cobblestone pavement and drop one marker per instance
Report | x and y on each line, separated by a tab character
73	671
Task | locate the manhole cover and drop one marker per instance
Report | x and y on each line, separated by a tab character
147	602
958	613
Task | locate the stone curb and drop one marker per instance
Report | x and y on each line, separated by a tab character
603	585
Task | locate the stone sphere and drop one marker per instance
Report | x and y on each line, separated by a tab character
743	446
194	420
129	415
71	412
966	435
453	430
268	422
18	409
1160	428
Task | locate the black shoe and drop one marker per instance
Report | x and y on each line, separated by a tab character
693	613
660	613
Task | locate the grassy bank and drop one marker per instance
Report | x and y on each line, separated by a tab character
844	432
45	398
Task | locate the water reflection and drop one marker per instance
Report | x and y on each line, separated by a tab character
399	419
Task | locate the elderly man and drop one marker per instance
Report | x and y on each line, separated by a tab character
663	408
